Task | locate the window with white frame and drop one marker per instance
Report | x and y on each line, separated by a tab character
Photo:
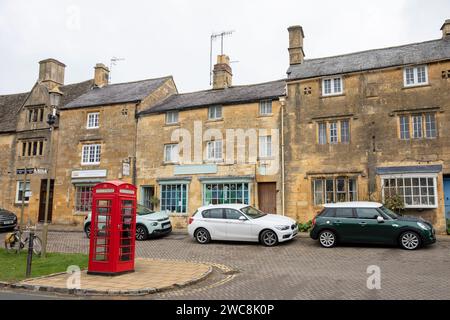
333	132
93	120
171	153
172	117
404	128
174	198
265	146
21	191
83	198
265	107
418	126
417	191
91	154
215	113
415	76
332	86
214	150
332	190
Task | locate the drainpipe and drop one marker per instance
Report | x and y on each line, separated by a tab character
283	103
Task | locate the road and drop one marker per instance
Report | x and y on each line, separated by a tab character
300	269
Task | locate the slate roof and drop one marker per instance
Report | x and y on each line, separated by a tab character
11	104
9	107
232	95
416	53
117	93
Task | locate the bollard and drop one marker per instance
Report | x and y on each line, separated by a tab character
30	252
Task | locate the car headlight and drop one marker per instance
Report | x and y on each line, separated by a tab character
423	226
282	228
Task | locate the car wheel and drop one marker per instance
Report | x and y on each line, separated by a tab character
327	239
269	238
141	233
410	240
87	230
202	236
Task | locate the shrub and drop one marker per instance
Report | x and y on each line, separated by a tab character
305	227
394	203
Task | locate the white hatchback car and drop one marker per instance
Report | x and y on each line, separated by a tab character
238	222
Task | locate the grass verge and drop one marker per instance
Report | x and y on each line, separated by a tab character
13	266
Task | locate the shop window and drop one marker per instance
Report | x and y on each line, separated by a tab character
21	191
226	193
174	198
417	191
83	198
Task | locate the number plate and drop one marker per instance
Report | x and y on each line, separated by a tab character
8	222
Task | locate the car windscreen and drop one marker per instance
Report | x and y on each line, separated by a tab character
253	213
143	211
389	213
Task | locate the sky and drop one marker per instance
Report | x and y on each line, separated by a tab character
172	37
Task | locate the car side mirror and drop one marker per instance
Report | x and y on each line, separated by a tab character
242	218
380	219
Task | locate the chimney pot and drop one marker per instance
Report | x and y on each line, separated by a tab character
446	29
222	73
296	53
101	75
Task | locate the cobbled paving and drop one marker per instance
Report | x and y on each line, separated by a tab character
300	269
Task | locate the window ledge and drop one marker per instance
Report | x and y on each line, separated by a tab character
170	163
171	125
269	115
266	158
214	120
332	95
90	164
416	86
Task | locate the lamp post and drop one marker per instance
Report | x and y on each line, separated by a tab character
55	99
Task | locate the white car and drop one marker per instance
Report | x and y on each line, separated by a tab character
238	222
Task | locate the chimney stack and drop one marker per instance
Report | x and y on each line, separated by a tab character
101	76
51	73
446	29
296	53
222	75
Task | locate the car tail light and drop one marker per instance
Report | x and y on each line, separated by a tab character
191	219
314	222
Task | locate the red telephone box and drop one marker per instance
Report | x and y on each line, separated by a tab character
113	228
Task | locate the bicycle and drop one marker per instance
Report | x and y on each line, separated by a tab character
18	240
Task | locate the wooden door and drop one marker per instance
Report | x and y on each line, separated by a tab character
42	199
267	197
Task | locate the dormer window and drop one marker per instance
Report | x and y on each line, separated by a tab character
215	113
415	76
332	86
172	117
93	120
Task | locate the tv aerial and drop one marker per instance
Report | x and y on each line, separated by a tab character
214	37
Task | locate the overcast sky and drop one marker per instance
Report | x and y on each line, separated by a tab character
172	37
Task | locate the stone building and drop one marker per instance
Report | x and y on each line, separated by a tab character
369	125
98	139
25	143
212	147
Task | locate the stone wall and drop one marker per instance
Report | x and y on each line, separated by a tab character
372	101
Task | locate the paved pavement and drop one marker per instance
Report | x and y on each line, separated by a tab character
150	276
300	269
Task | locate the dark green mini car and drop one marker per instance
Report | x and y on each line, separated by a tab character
369	222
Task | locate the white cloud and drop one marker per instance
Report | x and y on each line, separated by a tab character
172	37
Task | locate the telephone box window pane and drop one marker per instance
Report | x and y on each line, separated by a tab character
126	233
101	230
